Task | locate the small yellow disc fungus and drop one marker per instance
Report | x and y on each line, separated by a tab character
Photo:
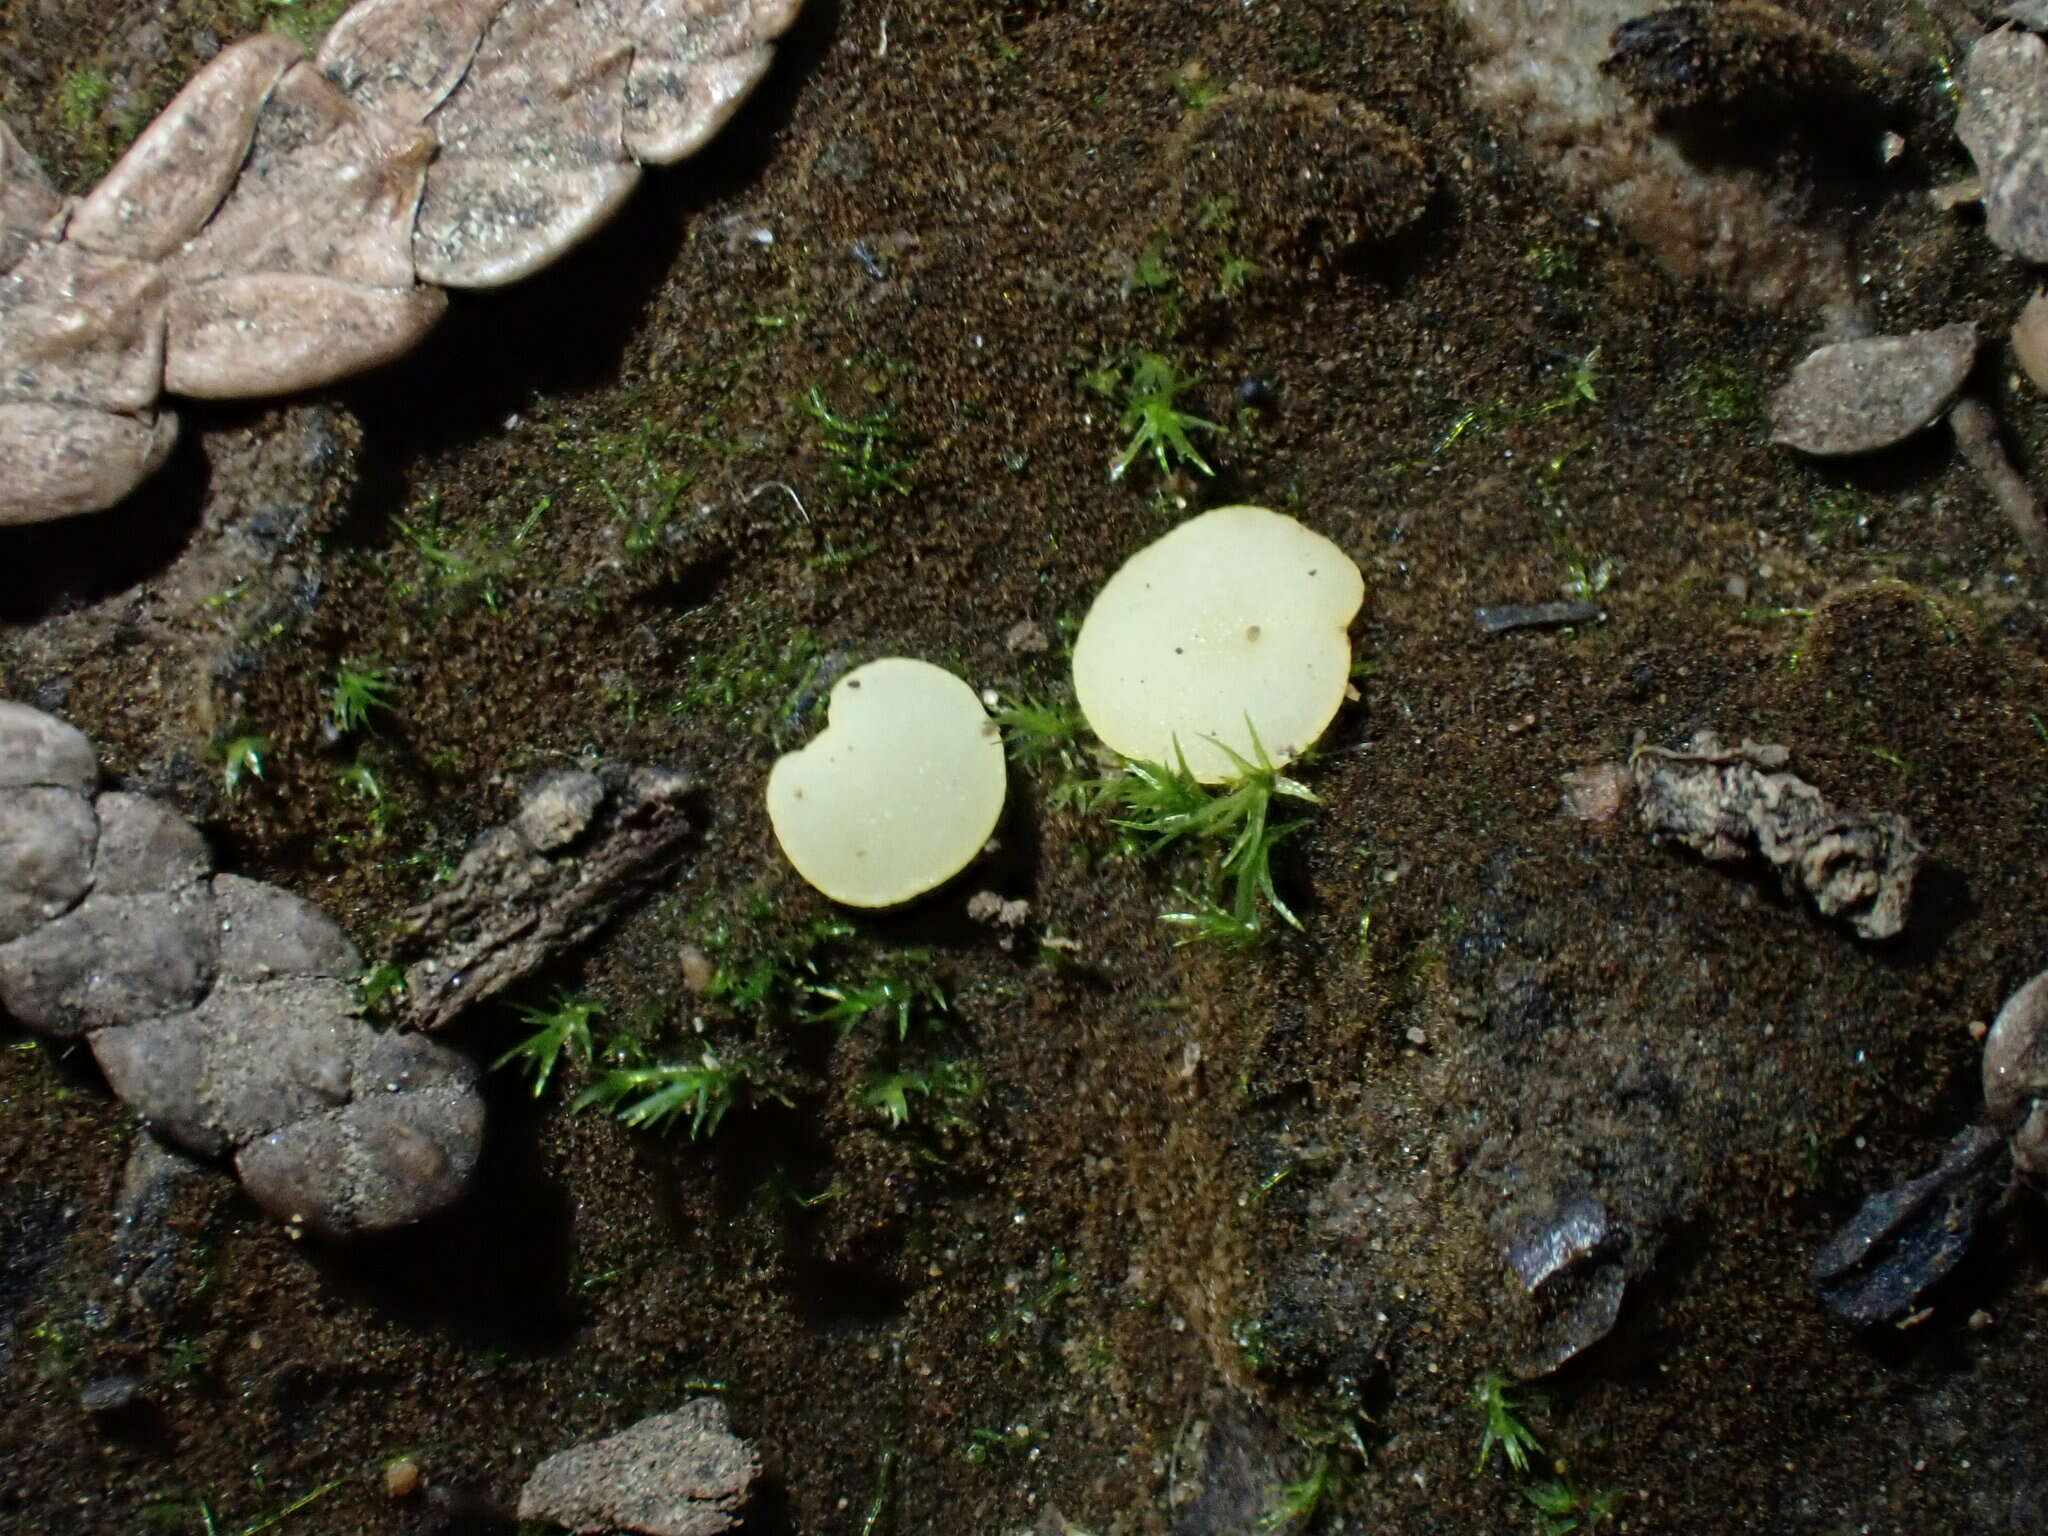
1236	621
900	790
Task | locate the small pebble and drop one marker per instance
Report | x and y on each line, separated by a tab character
989	907
2030	340
1599	793
698	971
402	1478
1859	396
1028	637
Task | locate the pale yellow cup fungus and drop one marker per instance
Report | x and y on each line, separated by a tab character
899	791
1229	634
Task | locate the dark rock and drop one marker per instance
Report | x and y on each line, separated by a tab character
36	748
1743	60
459	1509
52	693
1906	1239
512	902
148	1244
1225	1458
1573	1262
268	932
38	1226
1728	802
111	959
1574	1317
1321	1317
49	834
247	1060
1545	1248
145	847
405	1147
676	1474
1859	396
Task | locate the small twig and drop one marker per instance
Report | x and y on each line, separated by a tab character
1976	430
777	485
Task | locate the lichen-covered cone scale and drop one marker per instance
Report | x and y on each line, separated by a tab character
898	793
328	190
61	460
50	833
401	58
1230	634
30	205
694	63
675	106
533	153
79	327
111	959
272	333
179	169
404	1148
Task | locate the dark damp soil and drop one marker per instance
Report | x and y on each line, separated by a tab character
1220	1221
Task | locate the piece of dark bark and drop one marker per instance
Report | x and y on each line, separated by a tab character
1906	1239
582	847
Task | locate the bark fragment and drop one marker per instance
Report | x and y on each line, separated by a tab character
1728	803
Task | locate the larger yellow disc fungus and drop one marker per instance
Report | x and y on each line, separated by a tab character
1234	623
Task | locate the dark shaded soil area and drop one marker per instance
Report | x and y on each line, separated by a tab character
1221	1218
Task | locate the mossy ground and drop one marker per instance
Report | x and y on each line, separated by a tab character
1252	1189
